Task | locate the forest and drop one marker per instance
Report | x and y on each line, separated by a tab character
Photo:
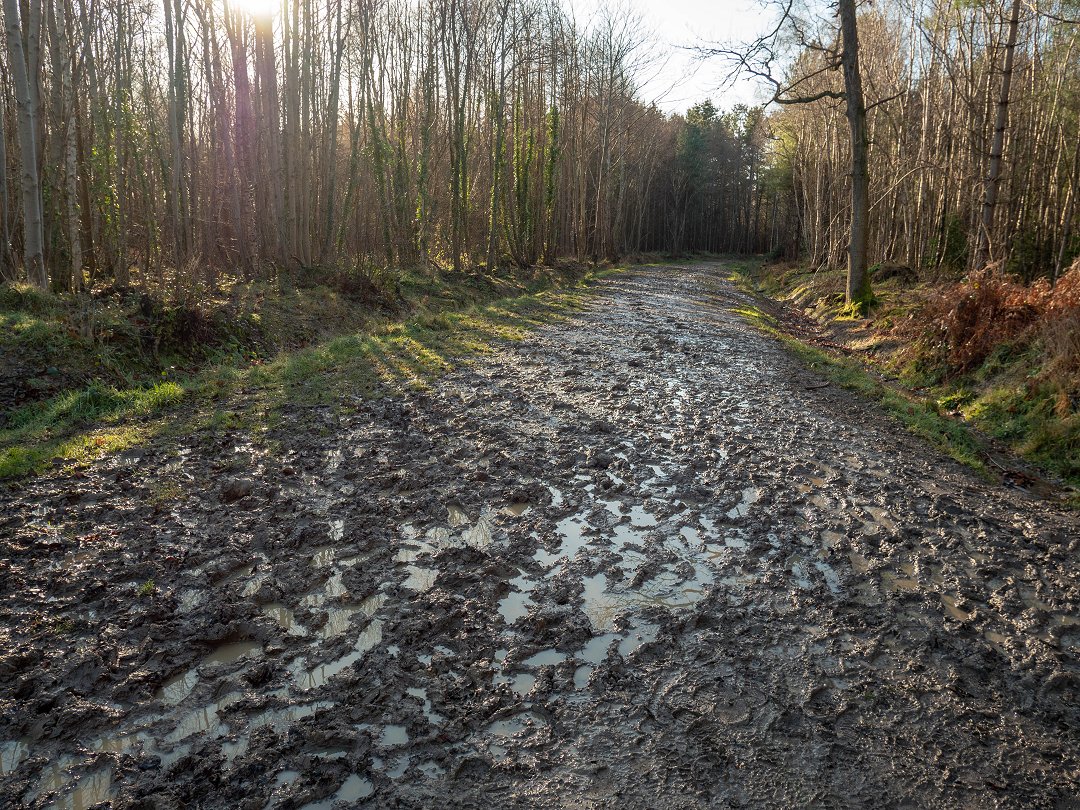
173	144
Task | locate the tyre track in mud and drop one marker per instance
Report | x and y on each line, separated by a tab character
640	558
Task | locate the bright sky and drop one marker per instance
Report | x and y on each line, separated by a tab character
680	81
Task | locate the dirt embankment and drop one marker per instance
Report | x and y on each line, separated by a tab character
642	558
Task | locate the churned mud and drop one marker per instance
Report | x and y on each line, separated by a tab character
642	559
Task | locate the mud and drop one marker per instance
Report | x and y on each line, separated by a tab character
642	557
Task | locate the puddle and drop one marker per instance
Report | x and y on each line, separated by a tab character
323	556
353	789
515	605
950	603
512	726
420	578
285	617
393	736
203	719
456	515
544	658
641	518
517	509
750	496
431	769
600	607
433	717
639	636
479	536
88	791
521	683
570	529
177	688
338	619
312	679
11	754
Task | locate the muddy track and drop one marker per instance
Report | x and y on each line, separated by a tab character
641	559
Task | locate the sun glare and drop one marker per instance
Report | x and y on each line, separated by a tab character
257	8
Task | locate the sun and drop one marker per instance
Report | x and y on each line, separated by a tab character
257	8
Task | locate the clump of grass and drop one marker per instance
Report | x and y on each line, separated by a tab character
148	588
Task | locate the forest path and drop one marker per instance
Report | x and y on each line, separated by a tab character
641	558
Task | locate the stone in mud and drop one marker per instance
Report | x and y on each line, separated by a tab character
236	488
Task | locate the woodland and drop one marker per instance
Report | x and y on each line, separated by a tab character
175	144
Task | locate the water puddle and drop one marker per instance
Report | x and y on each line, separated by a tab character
750	496
353	789
517	509
521	683
203	719
952	608
312	679
285	617
88	790
11	754
479	536
432	716
517	724
544	658
393	736
174	690
420	578
641	518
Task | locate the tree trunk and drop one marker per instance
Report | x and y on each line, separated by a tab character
997	146
858	284
33	232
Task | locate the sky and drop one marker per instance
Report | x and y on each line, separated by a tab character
679	81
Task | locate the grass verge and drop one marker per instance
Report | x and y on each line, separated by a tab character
445	320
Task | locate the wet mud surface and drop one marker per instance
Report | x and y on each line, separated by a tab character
641	559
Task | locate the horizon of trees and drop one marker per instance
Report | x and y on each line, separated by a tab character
182	141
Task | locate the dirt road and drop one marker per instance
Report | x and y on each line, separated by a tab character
640	560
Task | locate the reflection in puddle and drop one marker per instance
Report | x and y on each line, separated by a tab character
369	638
456	515
88	791
11	754
174	690
285	617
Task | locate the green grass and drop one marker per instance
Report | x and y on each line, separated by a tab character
448	321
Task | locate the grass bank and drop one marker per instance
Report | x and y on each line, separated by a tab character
1014	391
241	358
